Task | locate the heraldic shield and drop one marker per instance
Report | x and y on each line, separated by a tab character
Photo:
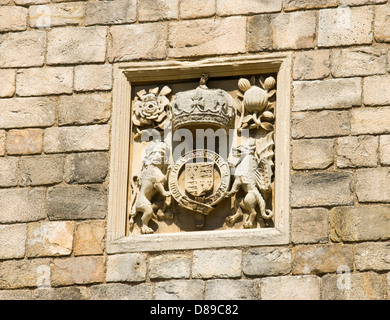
199	178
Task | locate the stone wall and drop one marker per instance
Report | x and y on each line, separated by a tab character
56	62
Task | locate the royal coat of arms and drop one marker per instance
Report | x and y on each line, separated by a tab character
199	178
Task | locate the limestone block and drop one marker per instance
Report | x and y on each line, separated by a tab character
65	293
86	167
30	2
151	10
373	185
360	2
76	45
22	205
327	94
7	80
322	189
370	121
130	267
311	65
93	77
41	170
363	223
353	286
320	259
84	109
179	290
207	37
309	225
30	46
44	81
259	33
2	142
327	124
50	238
357	151
55	15
290	288
289	5
77	202
18	294
376	90
86	138
26	141
240	7
381	30
77	270
358	61
27	112
384	149
345	26
111	12
312	154
89	238
30	273
227	289
216	264
141	41
191	9
267	261
170	266
372	256
9	171
13	19
121	291
13	241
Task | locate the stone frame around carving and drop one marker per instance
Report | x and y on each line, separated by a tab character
128	74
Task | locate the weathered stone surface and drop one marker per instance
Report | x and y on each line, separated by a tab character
358	151
179	290
93	77
76	45
22	205
373	185
54	15
129	267
381	30
384	150
312	154
363	223
41	170
322	189
290	288
26	141
359	61
370	120
27	112
2	142
327	124
111	12
84	109
353	286
16	274
309	225
216	264
9	171
259	33
120	291
77	202
151	10
234	7
30	46
376	90
50	238
65	293
138	41
29	2
320	259
170	266
77	270
267	261
89	238
345	26
227	289
86	138
327	94
18	294
190	9
44	81
360	2
207	37
372	256
13	241
308	4
7	80
86	167
311	65
13	19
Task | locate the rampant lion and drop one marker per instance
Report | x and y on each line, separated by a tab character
148	183
253	174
